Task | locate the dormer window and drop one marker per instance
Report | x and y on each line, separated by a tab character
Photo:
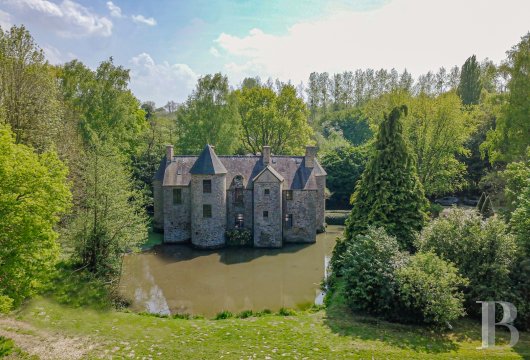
207	186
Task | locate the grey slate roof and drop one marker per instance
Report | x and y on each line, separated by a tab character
291	168
208	163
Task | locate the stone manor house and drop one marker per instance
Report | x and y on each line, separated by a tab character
277	198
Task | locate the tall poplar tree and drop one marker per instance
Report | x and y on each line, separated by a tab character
470	86
389	194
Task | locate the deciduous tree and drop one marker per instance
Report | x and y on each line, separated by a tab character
34	193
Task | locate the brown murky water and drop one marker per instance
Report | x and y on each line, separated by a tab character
179	279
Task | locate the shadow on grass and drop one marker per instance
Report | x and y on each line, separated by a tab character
420	339
75	287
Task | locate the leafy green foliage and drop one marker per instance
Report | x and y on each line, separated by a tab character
510	139
344	166
28	90
336	217
470	85
239	237
110	219
389	193
368	267
275	119
225	314
518	191
101	104
379	279
436	129
352	123
34	193
482	250
209	116
6	346
429	290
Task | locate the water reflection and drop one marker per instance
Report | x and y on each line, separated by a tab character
179	279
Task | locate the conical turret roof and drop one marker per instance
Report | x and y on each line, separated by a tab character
208	163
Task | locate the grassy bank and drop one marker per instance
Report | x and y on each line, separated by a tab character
331	333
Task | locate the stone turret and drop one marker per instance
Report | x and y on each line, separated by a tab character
208	200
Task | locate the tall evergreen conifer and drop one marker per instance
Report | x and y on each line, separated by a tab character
389	193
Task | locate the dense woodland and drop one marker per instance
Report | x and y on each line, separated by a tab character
78	151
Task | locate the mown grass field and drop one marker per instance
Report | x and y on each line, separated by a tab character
323	334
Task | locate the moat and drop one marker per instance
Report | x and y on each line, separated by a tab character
179	279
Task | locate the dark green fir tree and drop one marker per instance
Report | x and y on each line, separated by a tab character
389	193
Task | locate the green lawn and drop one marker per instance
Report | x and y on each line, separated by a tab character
325	334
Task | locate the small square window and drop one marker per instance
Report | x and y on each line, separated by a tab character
207	186
267	191
265	214
206	211
177	196
289	195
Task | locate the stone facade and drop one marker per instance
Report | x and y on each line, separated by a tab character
279	199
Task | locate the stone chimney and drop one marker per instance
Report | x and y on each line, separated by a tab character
169	153
310	155
266	155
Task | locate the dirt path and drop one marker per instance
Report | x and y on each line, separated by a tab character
45	344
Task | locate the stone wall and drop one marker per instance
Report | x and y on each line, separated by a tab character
177	217
267	231
158	202
321	204
208	232
303	207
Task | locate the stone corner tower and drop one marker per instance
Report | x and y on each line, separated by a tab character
208	200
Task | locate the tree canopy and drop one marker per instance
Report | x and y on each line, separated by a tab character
209	116
275	119
34	193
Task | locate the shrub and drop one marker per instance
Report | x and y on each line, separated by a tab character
367	266
336	217
239	237
435	210
482	250
286	312
6	304
223	315
429	290
245	314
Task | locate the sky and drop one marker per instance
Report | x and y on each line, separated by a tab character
168	45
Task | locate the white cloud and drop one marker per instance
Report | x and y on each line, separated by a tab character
140	19
161	82
214	51
5	20
115	10
67	19
413	34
